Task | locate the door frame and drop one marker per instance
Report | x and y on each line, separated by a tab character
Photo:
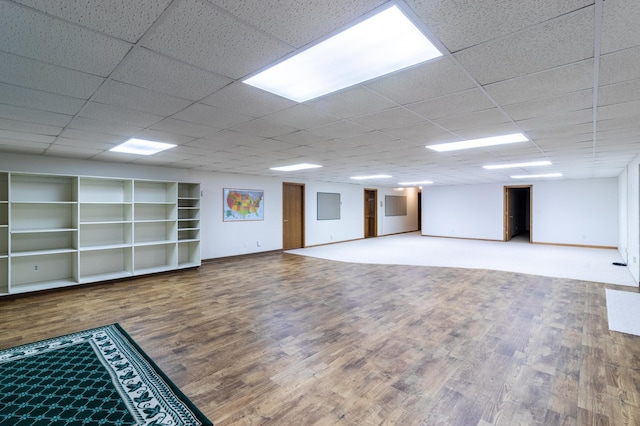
506	229
375	212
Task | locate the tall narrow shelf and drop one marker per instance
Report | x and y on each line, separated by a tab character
188	225
43	243
106	228
4	233
155	226
58	230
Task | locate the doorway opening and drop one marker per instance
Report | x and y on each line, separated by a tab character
518	208
370	213
292	215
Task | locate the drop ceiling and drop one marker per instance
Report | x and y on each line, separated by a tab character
78	77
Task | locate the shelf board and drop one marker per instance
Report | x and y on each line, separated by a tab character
189	265
161	203
153	220
106	222
23	288
154	243
42	252
114	203
40	231
189	240
188	229
105	247
44	202
154	269
105	277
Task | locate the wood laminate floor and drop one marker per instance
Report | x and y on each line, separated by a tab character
279	339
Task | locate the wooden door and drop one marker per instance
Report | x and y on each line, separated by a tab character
292	216
370	213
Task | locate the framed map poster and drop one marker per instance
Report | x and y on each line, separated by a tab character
242	204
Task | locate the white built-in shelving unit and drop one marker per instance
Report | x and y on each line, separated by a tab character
59	230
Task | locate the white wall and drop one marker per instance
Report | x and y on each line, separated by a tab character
580	212
388	225
221	239
468	211
350	226
629	182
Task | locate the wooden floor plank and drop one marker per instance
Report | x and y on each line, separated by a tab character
278	339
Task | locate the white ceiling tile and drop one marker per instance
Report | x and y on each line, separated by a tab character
620	25
25	147
33	116
557	120
23	136
627	109
37	99
388	119
158	136
486	131
549	106
351	102
23	126
339	129
473	120
32	34
626	91
98	111
230	138
453	104
260	127
300	116
71	151
459	23
302	137
370	138
181	127
30	73
435	78
415	131
619	66
123	19
137	98
307	21
211	116
247	100
544	84
560	41
153	71
93	138
104	127
238	50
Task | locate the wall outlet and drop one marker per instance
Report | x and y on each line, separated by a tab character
258	243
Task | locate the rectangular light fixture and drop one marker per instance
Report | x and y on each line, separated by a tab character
141	147
381	44
294	167
516	165
371	177
479	143
422	182
546	175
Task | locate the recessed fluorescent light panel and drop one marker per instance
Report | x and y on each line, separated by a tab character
141	147
479	143
547	175
422	182
385	42
516	165
371	177
294	167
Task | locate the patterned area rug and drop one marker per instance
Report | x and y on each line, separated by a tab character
94	377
